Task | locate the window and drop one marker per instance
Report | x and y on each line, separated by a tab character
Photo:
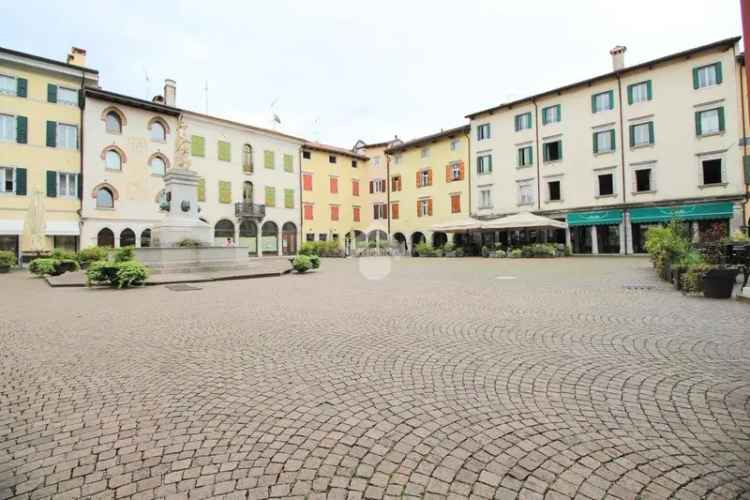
712	171
641	134
396	183
523	121
307	181
484	164
604	141
104	198
306	156
158	132
197	146
334	212
288	198
158	166
643	180
322	237
112	160
639	92
7	180
525	156
553	191
270	196
552	151
247	159
223	151
551	114
67	96
525	193
334	184
710	121
483	131
354	163
377	186
394	210
269	160
332	159
606	184
603	101
455	203
424	207
113	123
485	198
376	161
310	237
424	178
355	214
355	187
455	172
308	211
7	128
380	211
455	144
425	153
707	76
67	136
67	185
8	85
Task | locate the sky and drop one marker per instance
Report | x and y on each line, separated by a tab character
336	71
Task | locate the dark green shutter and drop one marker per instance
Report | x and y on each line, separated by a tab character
52	134
559	112
79	181
22	86
516	122
746	160
21	181
612	140
721	119
593	103
611	99
698	130
520	157
544	116
630	94
51	184
545	151
649	95
559	150
696	84
531	155
596	146
631	129
651	138
22	130
718	72
531	123
51	93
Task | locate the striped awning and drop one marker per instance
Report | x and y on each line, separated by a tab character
11	226
63	228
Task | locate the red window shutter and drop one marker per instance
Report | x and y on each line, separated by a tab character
429	177
429	206
418	178
455	203
334	212
334	185
308	212
394	210
355	188
418	214
355	212
371	187
307	182
448	173
461	171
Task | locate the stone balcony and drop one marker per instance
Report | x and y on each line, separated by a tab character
244	210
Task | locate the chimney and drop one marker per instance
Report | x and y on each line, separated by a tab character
77	56
618	57
170	92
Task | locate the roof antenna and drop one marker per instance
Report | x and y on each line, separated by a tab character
275	120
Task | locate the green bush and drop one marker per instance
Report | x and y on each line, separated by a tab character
302	263
124	254
44	266
666	245
424	249
116	274
459	252
61	254
485	251
449	247
322	248
188	243
92	254
516	253
7	258
315	261
501	254
309	248
691	281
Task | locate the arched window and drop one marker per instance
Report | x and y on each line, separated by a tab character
247	192
113	123
247	159
223	232
112	160
146	238
158	165
127	238
157	131
105	238
270	238
104	198
289	238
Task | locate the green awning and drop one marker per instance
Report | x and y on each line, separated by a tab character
599	218
703	211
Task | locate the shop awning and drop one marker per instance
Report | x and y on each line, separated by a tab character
62	228
11	226
522	221
702	211
598	218
458	226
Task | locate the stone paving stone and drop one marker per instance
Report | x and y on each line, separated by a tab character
438	381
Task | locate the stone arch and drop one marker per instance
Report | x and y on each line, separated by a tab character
161	121
439	239
146	238
117	111
118	149
162	157
115	193
105	238
127	237
289	238
270	238
417	237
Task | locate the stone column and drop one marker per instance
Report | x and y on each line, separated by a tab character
736	222
568	242
622	237
594	241
629	234
695	232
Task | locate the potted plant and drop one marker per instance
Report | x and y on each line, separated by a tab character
719	281
7	260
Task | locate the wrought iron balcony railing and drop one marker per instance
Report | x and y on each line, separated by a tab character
244	210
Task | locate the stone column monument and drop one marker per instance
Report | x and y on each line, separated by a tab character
181	187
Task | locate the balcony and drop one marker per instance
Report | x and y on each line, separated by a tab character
245	210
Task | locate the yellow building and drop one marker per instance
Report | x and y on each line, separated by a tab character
334	193
40	161
428	186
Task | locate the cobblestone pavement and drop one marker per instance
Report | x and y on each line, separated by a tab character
461	378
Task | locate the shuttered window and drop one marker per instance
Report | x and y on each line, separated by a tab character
225	151
289	198
710	121
268	159
198	146
225	192
270	196
308	211
707	76
356	214
201	189
288	163
455	203
307	181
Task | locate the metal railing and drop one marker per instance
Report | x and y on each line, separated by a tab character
245	210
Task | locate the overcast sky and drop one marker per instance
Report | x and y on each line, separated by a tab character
340	70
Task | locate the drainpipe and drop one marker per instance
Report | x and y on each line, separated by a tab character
538	157
622	160
468	168
301	207
81	106
388	191
744	135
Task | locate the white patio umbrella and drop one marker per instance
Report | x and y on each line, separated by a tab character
458	226
523	220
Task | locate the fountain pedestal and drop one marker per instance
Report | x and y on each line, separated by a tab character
182	222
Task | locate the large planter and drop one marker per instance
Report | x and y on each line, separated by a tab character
4	269
719	283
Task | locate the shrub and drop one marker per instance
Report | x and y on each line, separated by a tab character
302	263
666	245
527	251
322	248
459	252
7	258
48	266
61	254
188	243
309	248
516	253
124	254
543	250
485	251
424	249
117	274
500	254
92	254
691	281
315	261
739	235
449	247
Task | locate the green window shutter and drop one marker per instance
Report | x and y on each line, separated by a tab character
22	130
270	196
22	86
197	146
651	138
721	119
225	192
225	151
51	93
747	168
289	198
696	84
520	157
51	184
630	94
698	130
80	186
611	99
631	132
612	139
559	149
201	189
268	160
649	94
516	123
544	116
21	181
531	124
52	134
559	112
489	163
718	72
593	103
596	147
288	163
531	155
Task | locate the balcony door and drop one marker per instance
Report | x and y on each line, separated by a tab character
247	192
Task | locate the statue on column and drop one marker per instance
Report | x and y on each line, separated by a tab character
182	146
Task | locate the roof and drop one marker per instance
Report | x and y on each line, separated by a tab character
429	138
245	125
316	146
46	60
131	101
727	42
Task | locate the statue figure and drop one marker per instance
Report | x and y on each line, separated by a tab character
182	146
